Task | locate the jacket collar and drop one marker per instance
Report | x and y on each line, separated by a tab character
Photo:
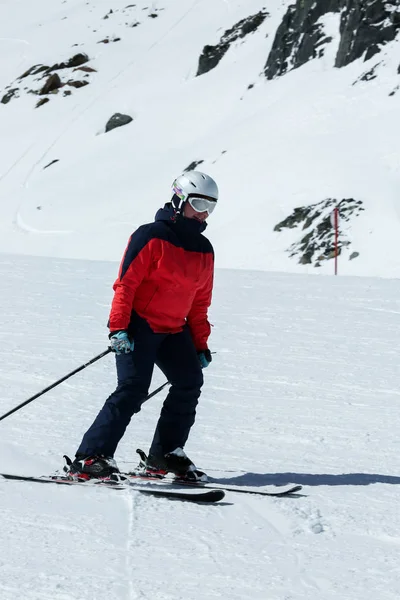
180	224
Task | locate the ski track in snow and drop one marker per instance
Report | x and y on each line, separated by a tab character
130	547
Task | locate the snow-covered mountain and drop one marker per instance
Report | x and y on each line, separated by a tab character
291	106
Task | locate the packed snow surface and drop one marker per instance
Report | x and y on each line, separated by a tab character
303	388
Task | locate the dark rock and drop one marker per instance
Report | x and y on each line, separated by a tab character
77	84
34	70
295	219
305	259
368	75
52	83
67	93
354	255
118	120
153	15
212	55
56	67
51	163
395	16
12	93
42	101
86	69
193	165
107	40
77	60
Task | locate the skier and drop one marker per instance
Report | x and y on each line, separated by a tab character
159	316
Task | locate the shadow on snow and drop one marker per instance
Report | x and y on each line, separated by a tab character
259	479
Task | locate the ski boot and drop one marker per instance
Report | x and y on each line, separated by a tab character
176	462
91	467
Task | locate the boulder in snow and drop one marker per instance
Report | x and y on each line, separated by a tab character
117	120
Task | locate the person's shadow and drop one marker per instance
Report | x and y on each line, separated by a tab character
259	479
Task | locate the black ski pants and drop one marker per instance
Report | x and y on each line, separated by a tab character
177	358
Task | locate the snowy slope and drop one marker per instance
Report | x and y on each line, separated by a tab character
304	387
292	141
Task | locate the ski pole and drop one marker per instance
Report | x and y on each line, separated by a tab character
56	383
160	388
156	391
53	385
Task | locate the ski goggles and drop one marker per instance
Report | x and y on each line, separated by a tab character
202	203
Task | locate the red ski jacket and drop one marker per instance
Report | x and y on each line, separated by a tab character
166	277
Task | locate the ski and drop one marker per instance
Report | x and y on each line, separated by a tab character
208	496
277	491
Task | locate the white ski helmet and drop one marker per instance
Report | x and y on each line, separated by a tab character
194	185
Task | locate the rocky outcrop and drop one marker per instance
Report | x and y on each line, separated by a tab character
212	55
299	38
317	242
46	79
76	61
365	25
